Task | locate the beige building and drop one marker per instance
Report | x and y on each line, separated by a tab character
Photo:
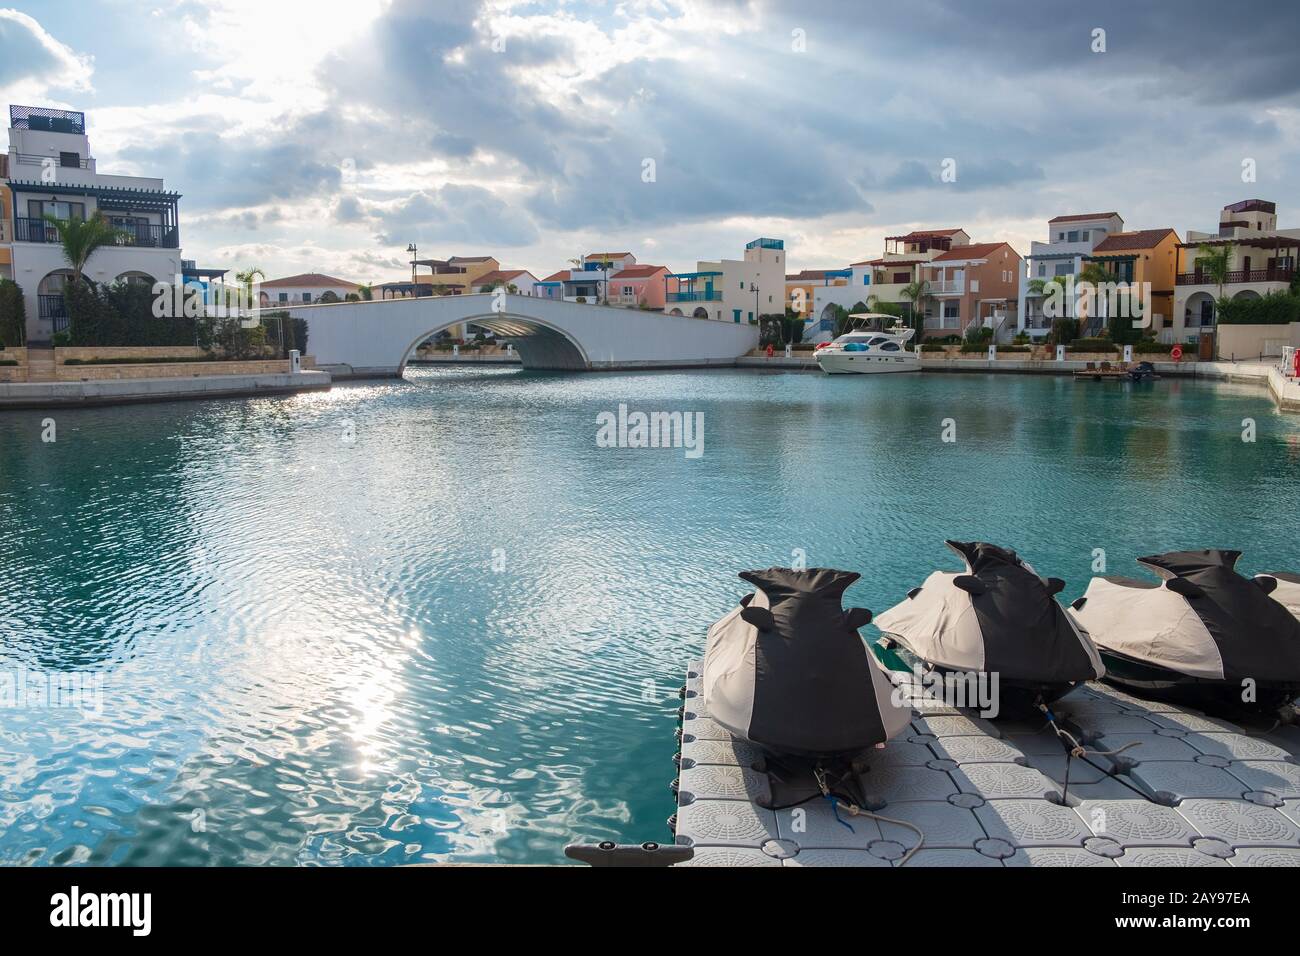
732	290
1263	260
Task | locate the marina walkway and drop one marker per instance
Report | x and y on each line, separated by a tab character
1194	791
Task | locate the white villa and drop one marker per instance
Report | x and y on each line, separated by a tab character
1070	241
304	289
50	172
1263	260
732	290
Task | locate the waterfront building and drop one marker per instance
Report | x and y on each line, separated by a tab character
640	286
552	287
799	287
6	222
972	285
588	280
49	171
1263	260
1070	239
732	290
305	289
1142	256
517	281
880	280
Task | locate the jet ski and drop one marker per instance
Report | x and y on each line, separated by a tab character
1287	592
1143	372
787	670
1204	635
997	624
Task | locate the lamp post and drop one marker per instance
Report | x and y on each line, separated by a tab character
753	287
415	288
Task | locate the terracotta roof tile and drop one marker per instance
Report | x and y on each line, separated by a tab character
1141	239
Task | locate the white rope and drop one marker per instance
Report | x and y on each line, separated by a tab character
859	812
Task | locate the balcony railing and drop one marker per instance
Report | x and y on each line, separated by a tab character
714	295
53	308
4	232
144	236
52	121
1237	276
937	287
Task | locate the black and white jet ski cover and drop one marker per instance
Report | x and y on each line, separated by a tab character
1203	621
788	671
998	617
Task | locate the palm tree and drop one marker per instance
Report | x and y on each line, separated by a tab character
1216	262
81	238
915	292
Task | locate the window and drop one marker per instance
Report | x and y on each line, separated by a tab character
1060	237
952	310
628	290
284	297
1074	236
306	297
1042	270
1084	235
1063	269
866	279
902	278
889	347
974	285
70	160
38	209
735	316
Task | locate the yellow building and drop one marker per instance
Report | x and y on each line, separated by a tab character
6	222
799	286
1135	258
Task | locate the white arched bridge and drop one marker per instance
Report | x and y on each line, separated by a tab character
367	339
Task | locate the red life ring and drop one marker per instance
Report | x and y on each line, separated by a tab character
769	349
1297	363
1176	353
823	345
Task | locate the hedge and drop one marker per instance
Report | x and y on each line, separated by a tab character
13	315
1091	345
1275	308
136	360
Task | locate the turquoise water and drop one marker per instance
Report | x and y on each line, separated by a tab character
460	635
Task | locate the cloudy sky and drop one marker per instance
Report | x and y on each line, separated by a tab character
326	135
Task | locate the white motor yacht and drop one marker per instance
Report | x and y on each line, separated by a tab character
865	352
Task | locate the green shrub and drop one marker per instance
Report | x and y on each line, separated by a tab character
1275	308
1091	345
1149	347
13	315
932	347
8	361
1015	347
137	360
1064	331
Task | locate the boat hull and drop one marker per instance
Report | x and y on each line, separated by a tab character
866	363
1160	683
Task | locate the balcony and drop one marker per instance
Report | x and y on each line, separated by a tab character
142	236
712	295
1237	276
949	287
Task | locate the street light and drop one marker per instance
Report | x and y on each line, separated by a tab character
415	288
753	287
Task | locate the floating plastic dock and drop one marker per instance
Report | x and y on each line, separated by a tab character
1194	791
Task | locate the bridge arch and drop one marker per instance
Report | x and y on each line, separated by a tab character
377	338
551	347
